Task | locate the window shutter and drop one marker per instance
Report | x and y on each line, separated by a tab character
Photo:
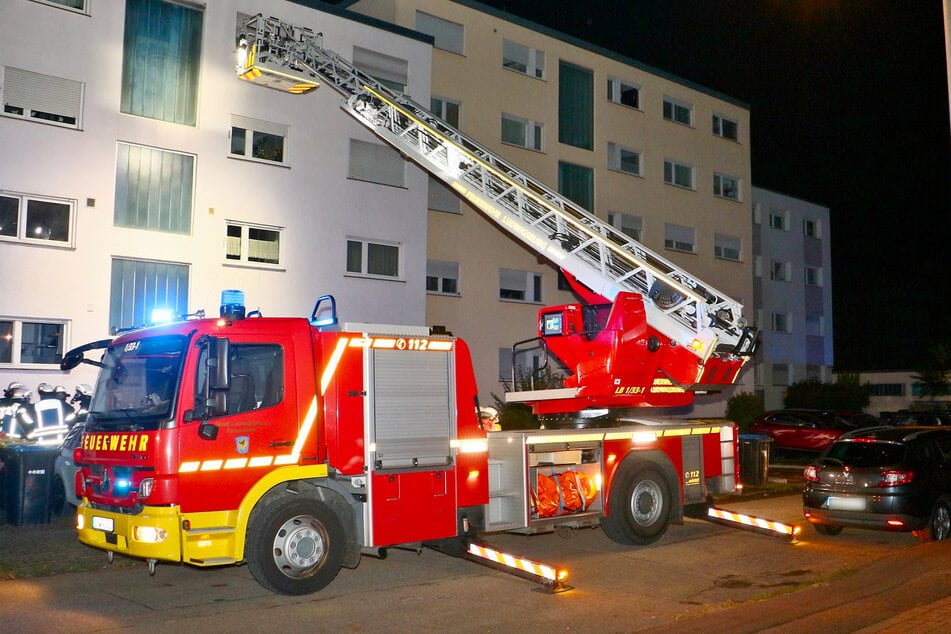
42	93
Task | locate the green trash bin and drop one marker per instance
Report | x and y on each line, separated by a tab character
754	459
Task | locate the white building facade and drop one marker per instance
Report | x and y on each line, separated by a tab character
792	293
141	173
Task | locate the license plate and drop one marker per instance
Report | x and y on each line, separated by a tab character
845	504
106	524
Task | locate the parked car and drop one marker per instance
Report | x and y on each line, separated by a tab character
883	478
802	429
908	417
63	494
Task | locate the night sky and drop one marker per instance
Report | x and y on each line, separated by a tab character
849	110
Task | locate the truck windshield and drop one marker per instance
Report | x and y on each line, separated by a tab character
137	384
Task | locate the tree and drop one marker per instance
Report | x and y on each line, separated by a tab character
743	408
933	378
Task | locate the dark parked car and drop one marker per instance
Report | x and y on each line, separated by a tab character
802	429
907	417
883	478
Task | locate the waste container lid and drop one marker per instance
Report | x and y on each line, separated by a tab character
752	437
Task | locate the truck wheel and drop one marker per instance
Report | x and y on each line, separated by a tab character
640	507
295	545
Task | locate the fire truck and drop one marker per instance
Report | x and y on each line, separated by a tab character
297	445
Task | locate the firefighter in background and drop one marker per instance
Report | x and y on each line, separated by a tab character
489	419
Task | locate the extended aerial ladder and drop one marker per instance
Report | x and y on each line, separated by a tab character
696	333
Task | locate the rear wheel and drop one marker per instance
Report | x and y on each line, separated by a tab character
827	529
295	545
640	504
940	523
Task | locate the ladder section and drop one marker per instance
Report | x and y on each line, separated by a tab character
602	258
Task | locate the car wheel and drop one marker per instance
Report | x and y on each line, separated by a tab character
827	529
295	545
58	504
640	507
940	523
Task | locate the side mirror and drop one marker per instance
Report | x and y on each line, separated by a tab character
207	431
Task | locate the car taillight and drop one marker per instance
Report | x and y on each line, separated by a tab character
893	478
812	473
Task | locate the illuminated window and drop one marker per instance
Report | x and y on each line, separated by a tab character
32	342
140	286
252	244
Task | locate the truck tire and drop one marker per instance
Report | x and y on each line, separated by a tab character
295	545
640	504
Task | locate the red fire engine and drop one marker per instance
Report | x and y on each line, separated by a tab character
296	445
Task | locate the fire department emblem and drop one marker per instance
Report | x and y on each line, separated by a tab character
242	444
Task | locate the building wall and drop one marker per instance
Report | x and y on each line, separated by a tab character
897	390
310	198
804	349
486	90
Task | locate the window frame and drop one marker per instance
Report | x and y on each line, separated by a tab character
671	243
257	127
676	106
616	159
532	291
441	36
722	243
779	270
121	209
812	228
23	218
435	270
779	220
166	283
84	10
719	189
534	64
781	323
366	243
624	221
35	89
15	337
384	160
243	259
530	130
718	127
812	276
441	109
673	170
615	92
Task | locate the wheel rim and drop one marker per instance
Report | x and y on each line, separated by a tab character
941	527
300	546
646	504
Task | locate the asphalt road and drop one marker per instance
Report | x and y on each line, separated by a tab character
698	577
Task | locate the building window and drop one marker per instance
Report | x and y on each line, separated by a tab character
576	182
622	159
680	238
448	36
370	258
392	72
79	6
779	220
260	140
575	106
780	322
815	324
446	109
726	247
252	244
779	271
523	59
780	372
678	111
678	174
154	189
520	286
441	198
35	219
886	389
811	228
628	224
726	187
813	276
624	93
726	128
442	277
376	163
28	342
43	98
161	61
521	132
139	286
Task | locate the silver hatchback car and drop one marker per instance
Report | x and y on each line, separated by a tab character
63	494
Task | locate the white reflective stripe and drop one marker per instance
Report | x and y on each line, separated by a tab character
332	364
306	426
519	563
469	446
211	465
236	463
188	467
440	346
749	520
261	461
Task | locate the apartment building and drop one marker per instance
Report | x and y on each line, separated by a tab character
792	292
139	172
665	160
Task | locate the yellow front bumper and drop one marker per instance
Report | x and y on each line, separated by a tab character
158	533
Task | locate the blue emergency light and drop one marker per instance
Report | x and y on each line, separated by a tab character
232	305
